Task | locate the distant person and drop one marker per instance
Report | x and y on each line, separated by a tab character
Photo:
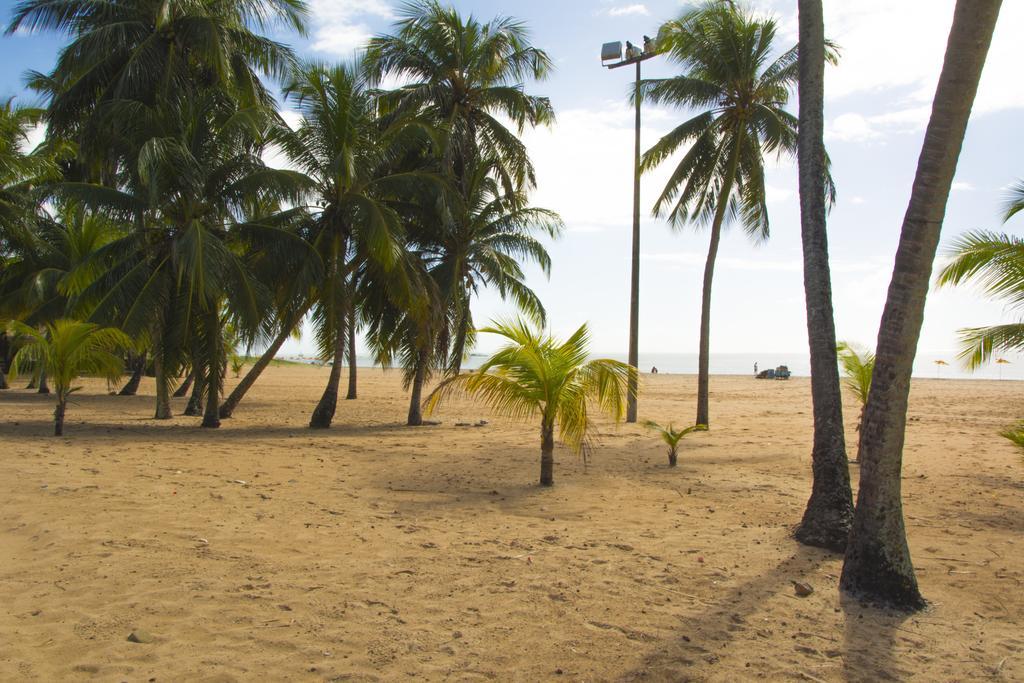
755	367
654	370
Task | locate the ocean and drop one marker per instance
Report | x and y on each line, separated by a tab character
798	363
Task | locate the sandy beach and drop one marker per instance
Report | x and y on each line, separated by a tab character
377	552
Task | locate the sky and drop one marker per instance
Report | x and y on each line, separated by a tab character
877	104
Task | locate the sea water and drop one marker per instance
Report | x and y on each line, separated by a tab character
798	362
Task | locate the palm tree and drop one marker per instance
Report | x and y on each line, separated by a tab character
996	262
858	366
190	250
535	375
465	76
153	50
66	350
21	171
480	243
741	93
877	566
672	437
829	512
351	157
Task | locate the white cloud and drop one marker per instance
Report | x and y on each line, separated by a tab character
623	10
855	127
340	26
894	50
962	186
591	185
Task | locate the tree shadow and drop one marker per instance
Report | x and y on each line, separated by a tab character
704	635
869	642
187	428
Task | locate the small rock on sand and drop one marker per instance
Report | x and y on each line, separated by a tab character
802	589
140	636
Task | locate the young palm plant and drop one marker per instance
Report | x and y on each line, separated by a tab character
535	375
730	77
858	367
66	350
672	437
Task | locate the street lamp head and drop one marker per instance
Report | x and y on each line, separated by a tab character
611	51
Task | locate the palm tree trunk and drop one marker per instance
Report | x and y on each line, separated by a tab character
878	565
547	454
132	386
673	457
214	369
238	393
352	379
415	409
58	416
194	407
44	387
5	348
323	415
182	390
703	361
459	347
163	388
32	381
826	521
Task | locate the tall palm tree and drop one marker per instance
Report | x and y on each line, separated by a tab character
829	512
877	566
480	243
535	375
149	50
729	76
68	349
465	76
352	157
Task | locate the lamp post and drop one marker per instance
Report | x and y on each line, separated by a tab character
612	52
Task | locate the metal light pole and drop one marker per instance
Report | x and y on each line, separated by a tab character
634	55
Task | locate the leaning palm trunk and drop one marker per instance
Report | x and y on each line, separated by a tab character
323	415
415	412
703	362
194	407
183	388
238	393
44	388
826	521
132	386
878	565
214	369
352	381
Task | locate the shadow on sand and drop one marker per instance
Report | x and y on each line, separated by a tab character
866	645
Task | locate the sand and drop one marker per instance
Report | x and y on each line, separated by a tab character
372	551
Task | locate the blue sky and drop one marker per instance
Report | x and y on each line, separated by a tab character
877	103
